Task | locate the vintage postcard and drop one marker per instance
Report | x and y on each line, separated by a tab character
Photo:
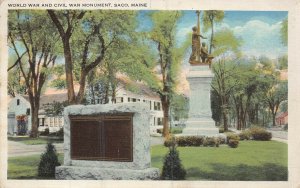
143	93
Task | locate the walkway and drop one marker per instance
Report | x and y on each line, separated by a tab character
20	149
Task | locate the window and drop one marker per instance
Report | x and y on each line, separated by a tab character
119	99
18	102
55	122
159	121
150	105
157	106
133	99
51	121
28	111
128	99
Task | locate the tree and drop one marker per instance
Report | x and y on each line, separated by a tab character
284	31
86	37
210	17
49	161
30	32
169	57
223	84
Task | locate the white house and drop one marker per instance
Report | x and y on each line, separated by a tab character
19	106
144	95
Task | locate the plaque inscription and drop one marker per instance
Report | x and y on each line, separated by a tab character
103	137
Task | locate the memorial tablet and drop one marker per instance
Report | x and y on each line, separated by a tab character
104	137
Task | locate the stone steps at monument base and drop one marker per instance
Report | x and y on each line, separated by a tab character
202	124
200	131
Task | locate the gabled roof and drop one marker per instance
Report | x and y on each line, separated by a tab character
50	98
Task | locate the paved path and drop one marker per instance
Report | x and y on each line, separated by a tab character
20	149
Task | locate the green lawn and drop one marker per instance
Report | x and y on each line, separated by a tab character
25	167
252	160
34	141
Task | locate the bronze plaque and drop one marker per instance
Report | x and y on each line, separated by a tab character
103	137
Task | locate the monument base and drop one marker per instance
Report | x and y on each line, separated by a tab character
95	173
200	127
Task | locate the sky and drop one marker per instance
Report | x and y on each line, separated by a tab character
259	30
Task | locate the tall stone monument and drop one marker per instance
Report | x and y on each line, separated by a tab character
200	120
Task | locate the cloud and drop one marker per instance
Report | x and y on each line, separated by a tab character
260	38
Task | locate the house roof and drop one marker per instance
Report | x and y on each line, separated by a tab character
46	99
141	89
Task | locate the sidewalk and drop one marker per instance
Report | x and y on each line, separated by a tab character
19	149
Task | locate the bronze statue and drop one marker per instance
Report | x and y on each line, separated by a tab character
199	53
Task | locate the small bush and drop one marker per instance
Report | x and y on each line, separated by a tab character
172	167
285	128
222	139
245	135
221	130
45	132
261	134
233	143
211	141
169	141
232	136
60	133
189	141
49	161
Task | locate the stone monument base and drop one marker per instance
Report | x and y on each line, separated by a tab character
96	173
200	127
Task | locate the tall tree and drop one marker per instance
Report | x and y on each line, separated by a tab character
86	37
169	57
210	17
30	32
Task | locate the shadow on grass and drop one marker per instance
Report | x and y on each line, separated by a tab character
266	172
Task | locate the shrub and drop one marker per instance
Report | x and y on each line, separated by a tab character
233	143
48	162
45	132
221	130
245	135
285	128
60	133
259	133
189	141
232	136
169	141
172	167
211	141
222	139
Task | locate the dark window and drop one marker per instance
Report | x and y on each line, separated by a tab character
133	99
159	121
18	101
128	99
28	111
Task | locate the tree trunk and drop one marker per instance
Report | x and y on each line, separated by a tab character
34	116
212	37
80	95
165	106
225	120
69	68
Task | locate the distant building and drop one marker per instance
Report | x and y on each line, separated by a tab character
282	118
143	94
19	114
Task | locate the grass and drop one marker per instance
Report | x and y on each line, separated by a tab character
252	160
25	167
35	141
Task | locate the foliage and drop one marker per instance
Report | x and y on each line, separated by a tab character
55	108
49	161
189	141
284	31
172	167
169	56
245	135
210	17
227	44
259	133
31	35
232	136
233	143
211	141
